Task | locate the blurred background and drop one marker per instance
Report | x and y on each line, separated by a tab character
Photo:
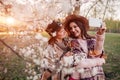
22	35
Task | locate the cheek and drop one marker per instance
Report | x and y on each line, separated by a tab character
61	34
78	30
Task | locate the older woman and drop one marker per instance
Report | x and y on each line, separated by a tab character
56	48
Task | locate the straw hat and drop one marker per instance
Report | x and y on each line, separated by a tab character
73	17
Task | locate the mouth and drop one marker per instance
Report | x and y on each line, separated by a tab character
74	33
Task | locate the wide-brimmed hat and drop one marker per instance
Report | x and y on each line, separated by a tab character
73	17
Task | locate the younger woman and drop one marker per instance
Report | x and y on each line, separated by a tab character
88	48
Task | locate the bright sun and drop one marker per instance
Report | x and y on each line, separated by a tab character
10	20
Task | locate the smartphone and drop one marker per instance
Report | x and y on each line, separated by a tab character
95	22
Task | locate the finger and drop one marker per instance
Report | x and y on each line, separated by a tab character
103	26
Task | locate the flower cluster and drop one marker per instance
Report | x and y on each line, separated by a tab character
33	56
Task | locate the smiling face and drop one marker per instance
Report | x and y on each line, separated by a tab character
74	29
61	33
77	26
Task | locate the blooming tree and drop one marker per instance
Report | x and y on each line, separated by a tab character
33	15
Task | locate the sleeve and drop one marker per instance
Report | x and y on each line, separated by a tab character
98	47
48	57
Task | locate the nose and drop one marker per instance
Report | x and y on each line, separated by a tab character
72	29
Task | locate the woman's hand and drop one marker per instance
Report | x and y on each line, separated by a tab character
102	29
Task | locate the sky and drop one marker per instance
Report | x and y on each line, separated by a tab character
117	10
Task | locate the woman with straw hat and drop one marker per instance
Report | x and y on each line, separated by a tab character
90	48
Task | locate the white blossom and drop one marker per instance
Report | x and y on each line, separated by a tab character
31	77
36	61
80	70
35	78
68	60
68	70
38	36
45	39
5	70
15	47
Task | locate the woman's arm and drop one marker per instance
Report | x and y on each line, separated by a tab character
98	47
100	37
88	63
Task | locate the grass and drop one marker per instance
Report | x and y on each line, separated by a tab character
12	67
15	65
112	49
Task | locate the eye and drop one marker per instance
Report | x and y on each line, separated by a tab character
74	26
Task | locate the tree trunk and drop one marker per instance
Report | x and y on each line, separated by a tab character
76	10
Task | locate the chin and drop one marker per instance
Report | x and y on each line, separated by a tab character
75	36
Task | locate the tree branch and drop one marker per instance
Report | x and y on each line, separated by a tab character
16	53
105	9
10	48
91	7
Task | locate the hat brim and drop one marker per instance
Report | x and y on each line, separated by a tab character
74	17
